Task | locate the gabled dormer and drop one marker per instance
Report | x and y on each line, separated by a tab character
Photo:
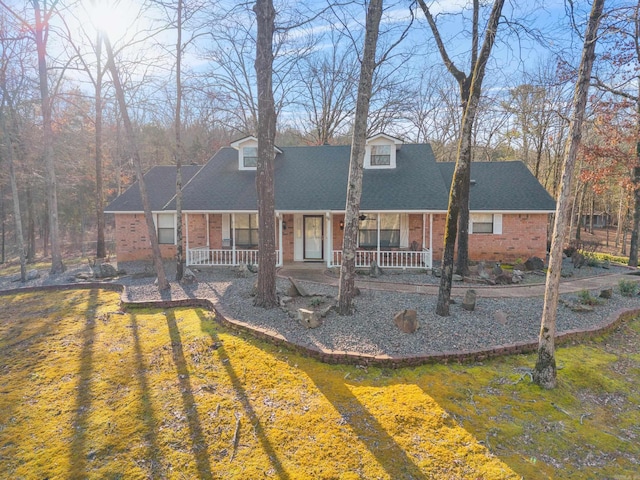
248	152
380	151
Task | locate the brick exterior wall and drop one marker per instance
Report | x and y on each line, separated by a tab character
132	239
523	236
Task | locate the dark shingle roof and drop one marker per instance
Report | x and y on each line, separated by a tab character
315	178
161	188
503	186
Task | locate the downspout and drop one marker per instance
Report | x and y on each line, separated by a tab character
431	240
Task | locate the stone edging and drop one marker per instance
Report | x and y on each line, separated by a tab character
343	357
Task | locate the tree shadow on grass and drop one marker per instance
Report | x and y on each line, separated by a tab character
390	456
244	400
78	449
198	444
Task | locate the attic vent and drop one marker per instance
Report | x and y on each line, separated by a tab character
472	182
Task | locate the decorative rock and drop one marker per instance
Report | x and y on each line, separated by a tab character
374	270
517	277
243	271
504	279
606	293
325	311
356	291
284	300
33	274
309	318
437	272
500	317
456	277
578	259
469	301
534	263
483	274
296	289
406	320
497	270
520	266
606	264
104	270
254	289
188	277
252	268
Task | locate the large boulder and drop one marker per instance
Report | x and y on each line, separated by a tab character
375	270
406	320
104	270
469	301
309	318
534	263
188	277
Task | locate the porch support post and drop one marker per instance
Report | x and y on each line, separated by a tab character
424	231
378	246
233	239
328	246
431	240
186	225
206	216
280	250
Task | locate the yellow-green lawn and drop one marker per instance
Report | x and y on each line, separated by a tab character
89	392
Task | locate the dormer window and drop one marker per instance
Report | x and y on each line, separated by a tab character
247	148
381	151
380	155
250	157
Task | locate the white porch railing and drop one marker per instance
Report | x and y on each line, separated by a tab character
387	258
223	257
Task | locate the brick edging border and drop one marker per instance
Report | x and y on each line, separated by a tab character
344	357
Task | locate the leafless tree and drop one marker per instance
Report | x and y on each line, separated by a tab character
544	373
163	283
39	30
346	291
470	85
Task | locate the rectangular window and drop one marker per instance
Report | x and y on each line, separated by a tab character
381	155
368	231
250	157
166	228
246	230
389	231
482	223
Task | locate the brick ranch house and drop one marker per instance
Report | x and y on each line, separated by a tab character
403	207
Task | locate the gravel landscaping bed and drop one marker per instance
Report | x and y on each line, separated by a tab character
371	330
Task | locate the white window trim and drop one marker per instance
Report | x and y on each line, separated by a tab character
497	222
240	145
379	140
175	227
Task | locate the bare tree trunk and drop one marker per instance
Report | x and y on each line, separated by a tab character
31	226
163	283
266	293
41	33
346	292
470	89
178	147
17	215
544	373
101	251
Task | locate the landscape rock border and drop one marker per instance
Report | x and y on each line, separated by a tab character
343	357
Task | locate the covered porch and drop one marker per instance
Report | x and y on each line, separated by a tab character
394	240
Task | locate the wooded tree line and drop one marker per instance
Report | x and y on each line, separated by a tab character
315	96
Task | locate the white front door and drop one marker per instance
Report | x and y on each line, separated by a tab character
313	234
